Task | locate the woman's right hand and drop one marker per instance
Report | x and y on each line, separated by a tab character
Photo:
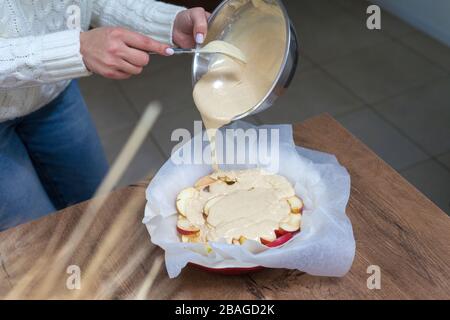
118	53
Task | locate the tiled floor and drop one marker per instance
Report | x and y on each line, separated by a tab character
391	88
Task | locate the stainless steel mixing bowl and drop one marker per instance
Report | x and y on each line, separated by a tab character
222	20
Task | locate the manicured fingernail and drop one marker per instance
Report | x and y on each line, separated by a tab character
169	51
199	38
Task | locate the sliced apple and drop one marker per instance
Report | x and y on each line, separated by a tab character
287	227
265	242
239	241
268	239
292	224
183	199
296	204
185	232
210	203
227	180
279	241
195	239
190	239
295	219
203	182
184	227
185	239
280	232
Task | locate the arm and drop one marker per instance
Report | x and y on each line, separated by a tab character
153	18
33	61
119	53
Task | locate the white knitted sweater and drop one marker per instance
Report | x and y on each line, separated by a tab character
40	50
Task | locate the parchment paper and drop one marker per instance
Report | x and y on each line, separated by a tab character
324	247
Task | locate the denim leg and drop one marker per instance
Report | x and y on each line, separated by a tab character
22	195
65	149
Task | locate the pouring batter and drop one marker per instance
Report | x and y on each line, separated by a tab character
248	204
231	88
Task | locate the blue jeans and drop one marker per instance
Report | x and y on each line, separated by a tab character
49	159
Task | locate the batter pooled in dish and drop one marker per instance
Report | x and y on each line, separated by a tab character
238	205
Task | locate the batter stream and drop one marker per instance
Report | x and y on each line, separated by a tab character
241	77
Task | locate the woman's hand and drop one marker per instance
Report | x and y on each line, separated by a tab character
118	53
190	27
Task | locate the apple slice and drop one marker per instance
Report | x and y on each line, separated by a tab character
280	232
296	204
279	241
265	242
184	227
239	241
268	239
292	224
185	239
190	239
203	182
183	198
227	180
210	203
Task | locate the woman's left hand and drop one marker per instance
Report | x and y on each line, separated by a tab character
190	27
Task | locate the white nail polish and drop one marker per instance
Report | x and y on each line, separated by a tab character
199	38
169	51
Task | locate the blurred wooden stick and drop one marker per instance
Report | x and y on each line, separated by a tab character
117	170
146	286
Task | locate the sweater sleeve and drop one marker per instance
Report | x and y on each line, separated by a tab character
33	61
153	18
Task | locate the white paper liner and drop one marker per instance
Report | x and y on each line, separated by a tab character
324	247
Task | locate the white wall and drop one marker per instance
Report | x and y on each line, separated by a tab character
430	16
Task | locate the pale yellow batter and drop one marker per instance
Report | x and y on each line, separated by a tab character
237	205
218	46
